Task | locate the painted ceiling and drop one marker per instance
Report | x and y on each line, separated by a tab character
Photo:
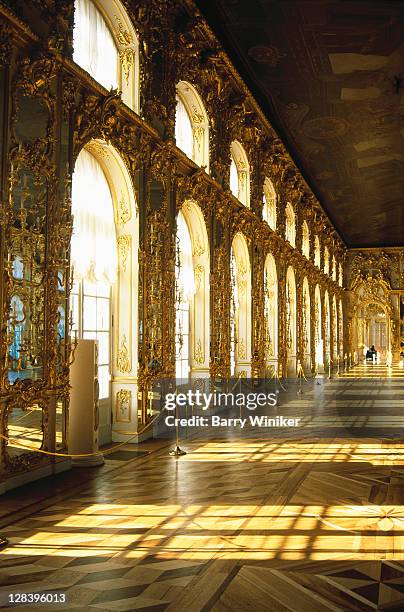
330	76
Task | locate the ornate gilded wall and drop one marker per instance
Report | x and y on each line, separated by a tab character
50	109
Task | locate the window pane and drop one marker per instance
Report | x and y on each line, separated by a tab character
103	318
103	380
89	313
184	137
103	347
94	46
234	187
90	335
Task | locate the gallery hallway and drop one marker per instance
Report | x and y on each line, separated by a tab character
312	521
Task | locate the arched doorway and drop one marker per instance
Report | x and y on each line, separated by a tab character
271	312
291	343
373	329
104	298
192	309
240	307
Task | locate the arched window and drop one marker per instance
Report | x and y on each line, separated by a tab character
239	173
340	275
192	125
316	251
240	307
106	46
269	201
326	261
290	225
104	262
334	268
192	300
305	240
94	259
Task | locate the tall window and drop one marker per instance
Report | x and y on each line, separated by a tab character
239	173
326	261
184	137
94	260
290	225
192	125
106	46
94	46
305	240
269	204
334	269
185	282
340	275
316	251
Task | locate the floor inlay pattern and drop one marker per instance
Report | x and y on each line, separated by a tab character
298	523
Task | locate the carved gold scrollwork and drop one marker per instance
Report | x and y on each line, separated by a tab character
124	248
199	274
123	210
122	361
123	406
127	57
199	354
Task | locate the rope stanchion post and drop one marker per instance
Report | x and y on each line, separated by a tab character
329	368
177	451
338	360
278	383
300	376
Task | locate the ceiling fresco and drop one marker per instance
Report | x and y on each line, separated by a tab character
330	76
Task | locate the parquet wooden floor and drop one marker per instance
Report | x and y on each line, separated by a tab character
297	522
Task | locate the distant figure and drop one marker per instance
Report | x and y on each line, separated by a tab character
371	354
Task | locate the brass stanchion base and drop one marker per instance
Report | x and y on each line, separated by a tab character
3	542
177	452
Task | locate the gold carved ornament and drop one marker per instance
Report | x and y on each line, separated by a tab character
123	405
124	247
122	361
127	57
123	210
199	354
